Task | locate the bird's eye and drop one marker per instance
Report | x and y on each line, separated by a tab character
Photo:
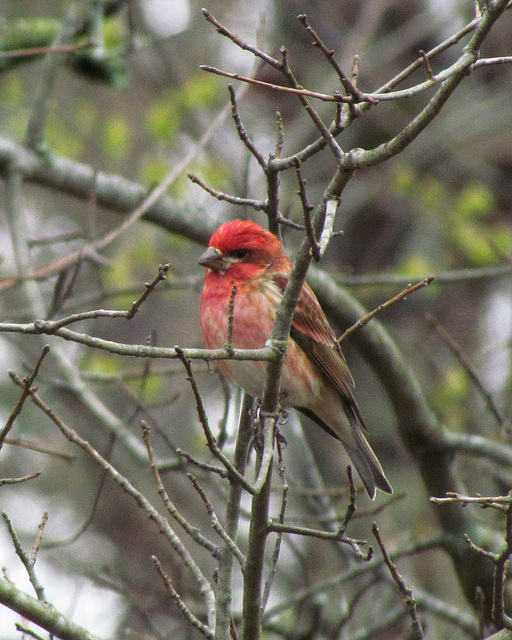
239	254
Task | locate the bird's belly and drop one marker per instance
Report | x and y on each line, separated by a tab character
253	320
300	384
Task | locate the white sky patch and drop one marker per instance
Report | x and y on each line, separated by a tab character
166	17
96	609
498	331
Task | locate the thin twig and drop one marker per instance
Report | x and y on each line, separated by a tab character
242	131
162	271
7	481
178	601
277	87
27	560
403	294
351	89
228	345
426	62
192	531
257	205
216	525
239	42
203	419
306	210
40	51
200	464
28	381
140	499
351	505
417	631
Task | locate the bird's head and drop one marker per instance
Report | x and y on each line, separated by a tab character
243	250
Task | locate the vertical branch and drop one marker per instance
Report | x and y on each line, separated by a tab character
225	567
501	561
252	612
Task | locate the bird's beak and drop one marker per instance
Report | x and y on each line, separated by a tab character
213	259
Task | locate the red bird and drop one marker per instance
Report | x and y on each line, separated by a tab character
315	379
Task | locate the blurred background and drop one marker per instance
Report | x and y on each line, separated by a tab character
135	107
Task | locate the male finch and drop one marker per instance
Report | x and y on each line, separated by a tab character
315	378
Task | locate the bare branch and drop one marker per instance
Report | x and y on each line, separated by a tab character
162	271
242	132
216	525
27	384
207	632
192	531
42	614
257	205
7	481
203	419
401	296
28	560
139	498
351	89
417	631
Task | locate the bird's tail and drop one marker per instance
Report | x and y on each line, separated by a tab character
368	465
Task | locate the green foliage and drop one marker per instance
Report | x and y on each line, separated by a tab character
418	266
117	137
166	114
63	139
454	224
450	397
134	257
148	389
101	363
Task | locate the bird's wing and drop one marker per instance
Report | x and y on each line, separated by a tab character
313	334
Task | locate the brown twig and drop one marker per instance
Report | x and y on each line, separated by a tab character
27	383
228	345
238	41
178	601
306	209
216	525
426	62
354	94
203	419
257	205
242	131
38	51
299	91
162	271
403	294
417	631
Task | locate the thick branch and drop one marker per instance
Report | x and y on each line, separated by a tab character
42	614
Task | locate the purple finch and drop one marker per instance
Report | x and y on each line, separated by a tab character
315	378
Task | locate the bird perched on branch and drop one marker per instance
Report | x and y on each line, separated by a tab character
315	378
